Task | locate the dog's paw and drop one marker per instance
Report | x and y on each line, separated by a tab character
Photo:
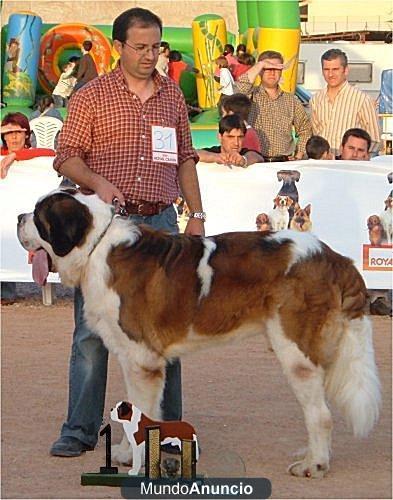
133	472
121	455
305	468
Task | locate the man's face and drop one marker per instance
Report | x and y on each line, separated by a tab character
334	72
139	53
231	142
355	149
270	76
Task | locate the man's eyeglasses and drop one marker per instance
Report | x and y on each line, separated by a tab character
142	50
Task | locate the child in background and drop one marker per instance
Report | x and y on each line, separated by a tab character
227	83
176	66
240	104
65	86
318	148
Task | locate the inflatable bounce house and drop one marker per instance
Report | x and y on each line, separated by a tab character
34	53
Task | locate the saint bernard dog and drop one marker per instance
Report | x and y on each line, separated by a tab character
134	424
152	297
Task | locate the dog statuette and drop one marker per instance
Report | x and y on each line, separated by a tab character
134	424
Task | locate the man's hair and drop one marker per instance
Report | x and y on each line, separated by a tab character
133	17
270	54
332	54
87	45
175	56
222	62
230	122
229	49
316	146
359	133
164	46
239	104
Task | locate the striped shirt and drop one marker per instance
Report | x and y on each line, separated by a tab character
274	119
350	108
110	129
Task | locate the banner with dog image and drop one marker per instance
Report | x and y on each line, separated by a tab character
333	199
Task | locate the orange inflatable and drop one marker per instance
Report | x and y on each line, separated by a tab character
66	36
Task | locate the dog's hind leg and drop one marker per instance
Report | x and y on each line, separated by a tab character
307	382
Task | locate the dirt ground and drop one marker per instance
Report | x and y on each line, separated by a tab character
248	421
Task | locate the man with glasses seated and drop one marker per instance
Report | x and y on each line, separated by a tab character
126	137
275	113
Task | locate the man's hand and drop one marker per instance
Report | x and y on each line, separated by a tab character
6	162
195	227
262	65
235	159
106	190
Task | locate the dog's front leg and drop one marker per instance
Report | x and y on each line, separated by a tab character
122	453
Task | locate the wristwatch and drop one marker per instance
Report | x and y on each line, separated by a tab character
245	165
198	215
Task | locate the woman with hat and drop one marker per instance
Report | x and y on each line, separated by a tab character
15	136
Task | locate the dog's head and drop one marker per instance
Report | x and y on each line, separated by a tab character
301	215
66	225
122	412
282	201
373	221
288	176
263	222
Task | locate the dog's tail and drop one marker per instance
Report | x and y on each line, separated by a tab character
352	381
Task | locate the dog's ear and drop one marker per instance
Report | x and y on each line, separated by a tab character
289	201
296	207
307	209
296	175
63	222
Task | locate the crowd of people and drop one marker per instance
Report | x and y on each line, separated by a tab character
140	98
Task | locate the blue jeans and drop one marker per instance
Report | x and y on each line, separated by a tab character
89	362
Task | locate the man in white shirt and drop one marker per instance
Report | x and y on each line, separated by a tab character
341	106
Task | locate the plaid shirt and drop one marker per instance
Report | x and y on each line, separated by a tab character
274	119
111	130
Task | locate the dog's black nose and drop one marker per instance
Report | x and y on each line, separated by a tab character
20	217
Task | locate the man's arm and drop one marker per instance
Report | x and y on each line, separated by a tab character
303	129
81	68
369	122
208	156
189	186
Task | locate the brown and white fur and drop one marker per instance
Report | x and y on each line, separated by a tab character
279	216
376	232
386	219
308	300
135	423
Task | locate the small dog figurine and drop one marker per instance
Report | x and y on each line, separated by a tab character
135	422
386	218
376	232
279	216
263	222
288	188
301	219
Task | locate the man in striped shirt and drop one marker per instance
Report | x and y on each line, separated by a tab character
341	106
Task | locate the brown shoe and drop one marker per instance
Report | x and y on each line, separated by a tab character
7	302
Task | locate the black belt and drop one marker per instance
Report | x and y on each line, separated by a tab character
145	207
276	158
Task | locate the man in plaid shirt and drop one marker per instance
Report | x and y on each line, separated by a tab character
275	113
127	137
